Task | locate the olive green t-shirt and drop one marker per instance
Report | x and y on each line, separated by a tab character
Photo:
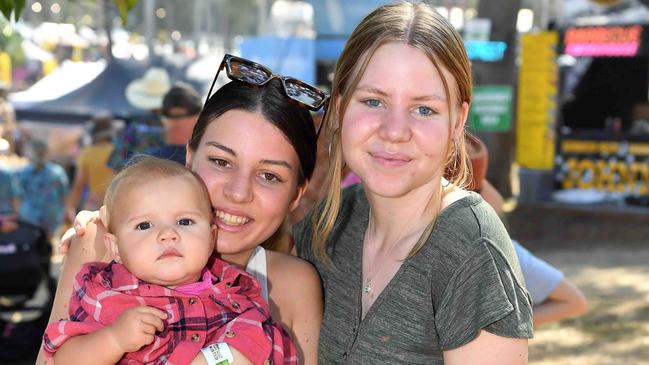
464	279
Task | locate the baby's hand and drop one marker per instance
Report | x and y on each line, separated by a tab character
136	327
78	229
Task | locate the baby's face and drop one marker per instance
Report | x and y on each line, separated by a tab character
164	232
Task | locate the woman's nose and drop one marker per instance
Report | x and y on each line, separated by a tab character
395	126
238	189
168	234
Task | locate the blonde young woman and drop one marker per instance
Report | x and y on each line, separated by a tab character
416	270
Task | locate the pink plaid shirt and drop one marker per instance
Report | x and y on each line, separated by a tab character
231	311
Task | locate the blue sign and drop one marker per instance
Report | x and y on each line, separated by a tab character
288	56
487	51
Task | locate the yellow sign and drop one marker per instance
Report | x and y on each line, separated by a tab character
537	94
612	176
5	68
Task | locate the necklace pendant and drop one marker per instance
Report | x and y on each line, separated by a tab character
368	287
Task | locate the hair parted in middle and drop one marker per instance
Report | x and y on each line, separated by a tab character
412	23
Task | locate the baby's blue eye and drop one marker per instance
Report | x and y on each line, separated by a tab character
143	226
185	222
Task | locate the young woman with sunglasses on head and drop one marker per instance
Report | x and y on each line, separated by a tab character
254	146
415	268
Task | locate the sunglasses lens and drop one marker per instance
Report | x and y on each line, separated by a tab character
248	73
304	94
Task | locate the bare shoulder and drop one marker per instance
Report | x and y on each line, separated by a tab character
291	272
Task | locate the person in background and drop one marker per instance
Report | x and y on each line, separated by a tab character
9	200
7	116
180	109
415	268
44	186
161	298
554	297
146	132
92	174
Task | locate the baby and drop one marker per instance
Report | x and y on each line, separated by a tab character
164	297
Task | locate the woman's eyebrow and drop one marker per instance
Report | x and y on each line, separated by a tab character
221	147
278	163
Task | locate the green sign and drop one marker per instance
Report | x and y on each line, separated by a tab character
491	109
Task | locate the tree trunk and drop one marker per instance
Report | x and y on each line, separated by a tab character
500	144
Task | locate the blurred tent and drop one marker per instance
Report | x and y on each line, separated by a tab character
103	92
68	77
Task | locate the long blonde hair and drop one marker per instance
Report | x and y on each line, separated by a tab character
417	25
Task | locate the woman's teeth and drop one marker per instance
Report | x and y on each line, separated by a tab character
233	220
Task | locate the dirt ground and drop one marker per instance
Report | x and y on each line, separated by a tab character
615	330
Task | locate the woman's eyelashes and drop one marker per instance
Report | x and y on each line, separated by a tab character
425	111
419	111
219	162
270	178
372	103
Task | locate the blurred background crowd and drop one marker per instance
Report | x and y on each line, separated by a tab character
561	102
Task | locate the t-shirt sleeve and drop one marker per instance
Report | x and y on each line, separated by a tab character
483	293
541	278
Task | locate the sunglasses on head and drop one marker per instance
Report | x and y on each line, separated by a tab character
241	69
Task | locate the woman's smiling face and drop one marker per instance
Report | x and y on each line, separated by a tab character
251	172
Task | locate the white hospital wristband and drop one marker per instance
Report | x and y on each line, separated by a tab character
218	354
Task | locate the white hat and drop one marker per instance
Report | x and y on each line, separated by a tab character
148	91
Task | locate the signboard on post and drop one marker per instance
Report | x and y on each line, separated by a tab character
491	108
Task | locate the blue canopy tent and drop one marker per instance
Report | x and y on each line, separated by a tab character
105	92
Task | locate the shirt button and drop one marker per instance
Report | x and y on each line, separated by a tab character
228	284
192	300
235	305
345	355
196	337
229	333
266	362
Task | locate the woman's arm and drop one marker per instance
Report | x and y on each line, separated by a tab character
296	290
489	349
307	317
87	248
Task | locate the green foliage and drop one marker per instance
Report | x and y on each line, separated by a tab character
124	6
9	6
16	7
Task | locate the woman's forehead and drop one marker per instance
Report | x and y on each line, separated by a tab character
399	67
248	132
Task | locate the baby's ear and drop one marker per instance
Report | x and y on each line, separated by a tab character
110	241
111	245
103	215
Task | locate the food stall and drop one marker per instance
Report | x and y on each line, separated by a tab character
602	128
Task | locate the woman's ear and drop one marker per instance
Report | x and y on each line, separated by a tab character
460	120
300	192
